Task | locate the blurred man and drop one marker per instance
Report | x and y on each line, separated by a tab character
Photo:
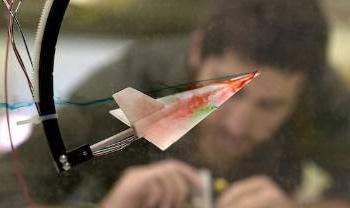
257	141
250	140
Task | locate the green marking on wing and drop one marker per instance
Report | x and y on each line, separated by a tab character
205	111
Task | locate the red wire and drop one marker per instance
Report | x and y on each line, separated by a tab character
15	158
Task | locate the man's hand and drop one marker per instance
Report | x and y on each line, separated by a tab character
254	192
164	184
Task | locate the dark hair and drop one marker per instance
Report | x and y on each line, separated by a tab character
287	34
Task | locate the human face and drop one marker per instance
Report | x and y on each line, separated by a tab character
253	115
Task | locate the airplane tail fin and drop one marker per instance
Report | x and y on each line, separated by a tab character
134	105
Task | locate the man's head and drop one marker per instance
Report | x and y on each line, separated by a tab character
285	40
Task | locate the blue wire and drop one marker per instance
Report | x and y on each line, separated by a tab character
58	101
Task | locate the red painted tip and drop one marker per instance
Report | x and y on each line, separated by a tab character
239	82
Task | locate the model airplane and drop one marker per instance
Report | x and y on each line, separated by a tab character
165	120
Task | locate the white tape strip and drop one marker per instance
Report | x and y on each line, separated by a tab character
37	119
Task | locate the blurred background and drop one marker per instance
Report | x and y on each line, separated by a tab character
97	31
106	26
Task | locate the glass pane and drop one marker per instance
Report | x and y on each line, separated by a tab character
280	141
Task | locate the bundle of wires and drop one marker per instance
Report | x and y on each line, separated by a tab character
12	7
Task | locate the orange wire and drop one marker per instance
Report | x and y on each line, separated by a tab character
15	158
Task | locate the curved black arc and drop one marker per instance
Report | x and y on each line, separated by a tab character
46	82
